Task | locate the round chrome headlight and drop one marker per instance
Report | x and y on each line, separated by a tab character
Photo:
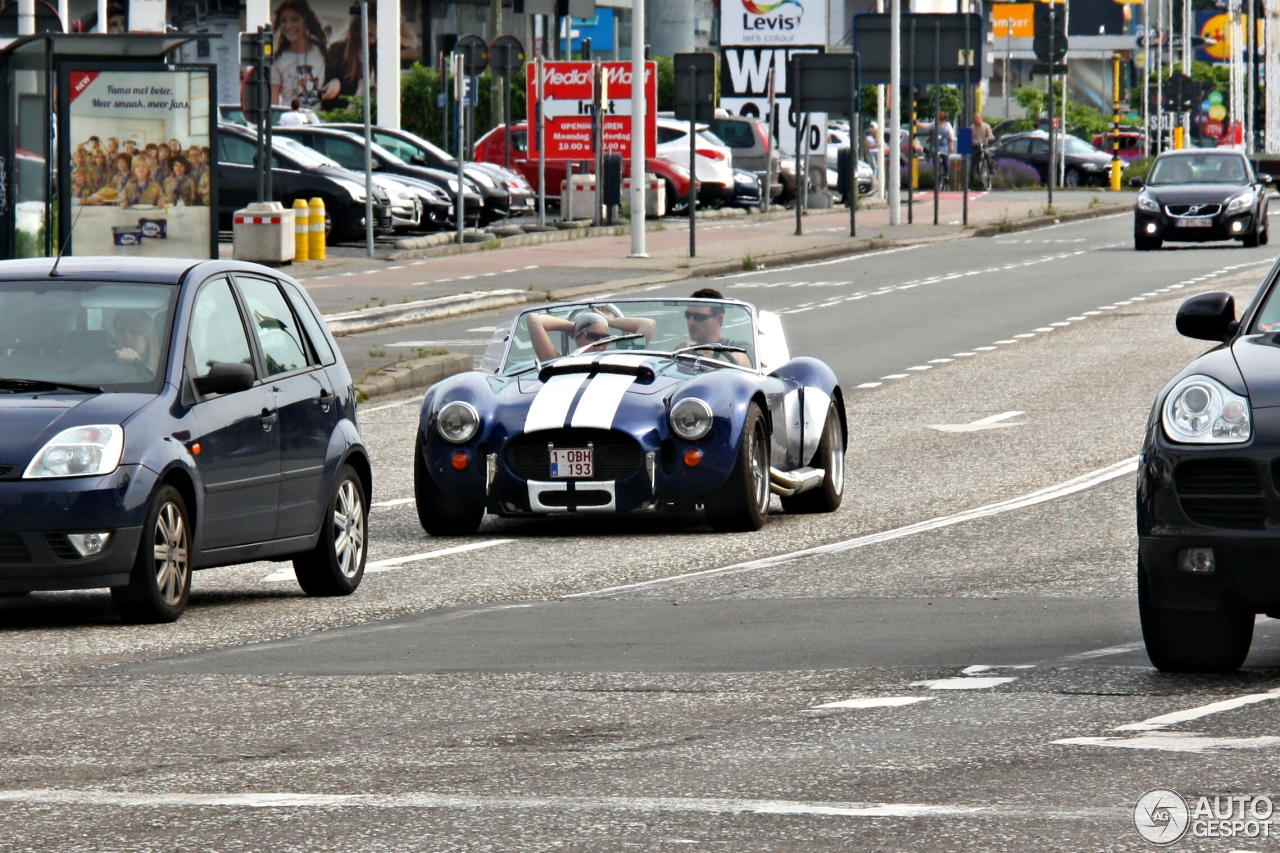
691	418
457	422
1201	410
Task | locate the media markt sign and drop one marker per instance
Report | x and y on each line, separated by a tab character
781	23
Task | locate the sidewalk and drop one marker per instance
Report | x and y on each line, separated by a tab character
406	285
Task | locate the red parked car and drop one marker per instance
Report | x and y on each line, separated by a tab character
491	148
1130	145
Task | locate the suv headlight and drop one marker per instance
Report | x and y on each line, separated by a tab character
457	422
1201	410
1146	202
353	189
87	451
1240	202
691	418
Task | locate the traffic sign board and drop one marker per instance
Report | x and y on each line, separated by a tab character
568	98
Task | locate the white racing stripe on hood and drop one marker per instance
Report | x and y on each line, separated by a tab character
601	400
550	407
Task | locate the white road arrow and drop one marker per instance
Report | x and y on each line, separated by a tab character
992	422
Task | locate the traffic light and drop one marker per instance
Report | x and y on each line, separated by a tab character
1050	25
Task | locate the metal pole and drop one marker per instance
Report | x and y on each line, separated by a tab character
693	168
895	113
542	143
768	135
1053	61
597	138
459	90
855	128
639	155
368	135
445	94
941	159
913	171
968	118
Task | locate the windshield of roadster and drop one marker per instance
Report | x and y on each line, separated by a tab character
105	335
663	325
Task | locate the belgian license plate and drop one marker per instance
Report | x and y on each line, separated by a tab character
569	462
1198	222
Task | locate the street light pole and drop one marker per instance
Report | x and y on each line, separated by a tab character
368	133
895	112
639	155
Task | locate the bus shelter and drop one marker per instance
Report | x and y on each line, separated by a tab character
108	148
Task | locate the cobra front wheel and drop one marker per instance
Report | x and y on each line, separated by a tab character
742	504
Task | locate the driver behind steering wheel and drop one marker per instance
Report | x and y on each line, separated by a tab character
704	322
137	343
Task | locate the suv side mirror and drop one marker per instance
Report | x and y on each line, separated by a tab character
226	377
1208	317
1264	178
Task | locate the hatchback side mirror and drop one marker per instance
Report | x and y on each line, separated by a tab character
1135	181
1264	178
226	377
1208	317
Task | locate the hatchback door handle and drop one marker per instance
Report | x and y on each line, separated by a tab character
326	399
269	419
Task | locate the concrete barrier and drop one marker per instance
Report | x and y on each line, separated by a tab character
263	232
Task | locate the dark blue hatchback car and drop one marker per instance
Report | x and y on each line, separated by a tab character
159	416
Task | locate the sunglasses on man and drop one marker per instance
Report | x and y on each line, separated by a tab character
701	318
592	337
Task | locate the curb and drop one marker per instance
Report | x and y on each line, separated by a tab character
415	373
426	309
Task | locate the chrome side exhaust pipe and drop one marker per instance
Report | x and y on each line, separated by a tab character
787	483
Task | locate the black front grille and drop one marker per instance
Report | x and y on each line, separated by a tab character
13	549
1222	493
5	471
577	498
616	455
1200	209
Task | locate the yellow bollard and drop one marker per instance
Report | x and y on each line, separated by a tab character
317	229
1116	168
301	230
915	174
1177	138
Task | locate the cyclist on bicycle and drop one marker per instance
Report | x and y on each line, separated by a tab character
984	139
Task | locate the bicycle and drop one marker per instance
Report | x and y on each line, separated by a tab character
984	168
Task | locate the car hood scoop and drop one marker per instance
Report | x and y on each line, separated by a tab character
638	366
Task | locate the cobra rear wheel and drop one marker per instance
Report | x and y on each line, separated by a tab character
742	504
160	581
830	457
1194	640
438	513
336	565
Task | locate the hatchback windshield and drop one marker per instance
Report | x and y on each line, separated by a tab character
678	323
1199	169
110	335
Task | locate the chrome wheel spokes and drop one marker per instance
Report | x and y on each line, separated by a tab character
835	464
170	552
760	469
348	529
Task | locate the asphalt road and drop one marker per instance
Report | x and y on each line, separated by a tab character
951	661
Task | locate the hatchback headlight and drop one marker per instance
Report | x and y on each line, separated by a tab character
86	451
1201	410
691	418
457	422
1240	202
1146	202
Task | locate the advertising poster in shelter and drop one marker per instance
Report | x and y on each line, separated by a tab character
140	162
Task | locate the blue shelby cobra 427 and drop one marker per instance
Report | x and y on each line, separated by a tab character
669	404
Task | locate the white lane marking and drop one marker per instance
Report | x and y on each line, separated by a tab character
394	405
398	562
876	702
486	329
982	667
422	800
1069	487
456	342
1107	652
865	255
965	683
992	422
870	384
396	502
1172	719
895	376
1172	742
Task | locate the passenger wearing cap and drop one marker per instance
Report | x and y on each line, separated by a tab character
586	328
